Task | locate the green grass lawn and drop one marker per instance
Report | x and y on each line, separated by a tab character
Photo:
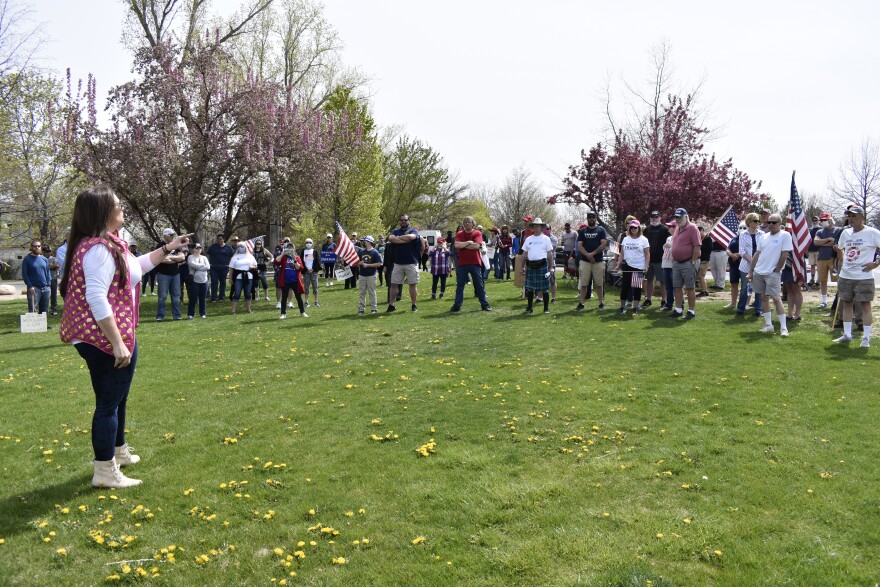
578	448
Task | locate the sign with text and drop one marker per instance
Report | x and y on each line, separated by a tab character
328	257
31	322
343	274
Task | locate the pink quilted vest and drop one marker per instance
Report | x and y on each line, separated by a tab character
77	322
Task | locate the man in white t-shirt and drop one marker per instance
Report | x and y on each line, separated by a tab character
858	246
765	273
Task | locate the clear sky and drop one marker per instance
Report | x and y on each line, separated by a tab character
495	84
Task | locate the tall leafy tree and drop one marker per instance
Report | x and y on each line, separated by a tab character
414	173
34	168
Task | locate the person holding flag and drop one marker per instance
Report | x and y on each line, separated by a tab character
632	263
371	260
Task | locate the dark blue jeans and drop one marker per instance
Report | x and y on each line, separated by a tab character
670	291
111	387
476	274
197	291
744	296
218	277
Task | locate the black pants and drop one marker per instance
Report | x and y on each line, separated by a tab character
627	291
442	280
111	388
284	295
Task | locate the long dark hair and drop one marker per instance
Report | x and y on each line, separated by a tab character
91	213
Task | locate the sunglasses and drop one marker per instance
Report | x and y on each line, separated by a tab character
772	222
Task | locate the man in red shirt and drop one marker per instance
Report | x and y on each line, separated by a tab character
686	244
470	263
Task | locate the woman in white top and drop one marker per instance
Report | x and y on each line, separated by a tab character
539	258
199	266
632	262
100	285
242	268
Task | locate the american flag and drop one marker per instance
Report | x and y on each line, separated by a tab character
800	234
249	243
726	228
638	279
613	247
345	249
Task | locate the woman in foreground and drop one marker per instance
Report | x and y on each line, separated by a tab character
101	293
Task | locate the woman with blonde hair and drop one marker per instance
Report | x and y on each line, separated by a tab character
635	255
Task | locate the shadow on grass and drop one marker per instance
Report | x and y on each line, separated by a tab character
19	510
44	347
847	352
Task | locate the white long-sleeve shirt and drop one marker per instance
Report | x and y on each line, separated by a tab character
98	269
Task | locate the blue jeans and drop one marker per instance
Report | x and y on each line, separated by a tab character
242	285
476	274
670	291
168	283
111	387
218	277
39	301
744	296
197	291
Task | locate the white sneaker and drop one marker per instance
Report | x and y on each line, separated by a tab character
768	329
866	342
823	305
289	304
277	305
304	315
125	457
783	332
267	298
331	283
107	474
317	305
843	339
308	305
283	317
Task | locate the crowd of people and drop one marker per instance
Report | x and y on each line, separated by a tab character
102	280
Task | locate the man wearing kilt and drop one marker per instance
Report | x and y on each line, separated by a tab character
539	259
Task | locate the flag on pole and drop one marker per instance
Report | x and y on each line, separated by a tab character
345	249
638	279
725	229
800	234
613	247
249	243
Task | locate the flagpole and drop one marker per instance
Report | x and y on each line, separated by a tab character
720	218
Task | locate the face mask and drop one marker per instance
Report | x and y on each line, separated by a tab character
826	223
241	249
308	245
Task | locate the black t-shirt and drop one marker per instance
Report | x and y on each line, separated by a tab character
706	249
591	238
167	268
733	247
656	236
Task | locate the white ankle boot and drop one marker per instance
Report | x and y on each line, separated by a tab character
125	457
108	474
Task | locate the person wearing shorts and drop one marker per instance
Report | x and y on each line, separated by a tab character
407	252
591	242
859	246
686	244
765	274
